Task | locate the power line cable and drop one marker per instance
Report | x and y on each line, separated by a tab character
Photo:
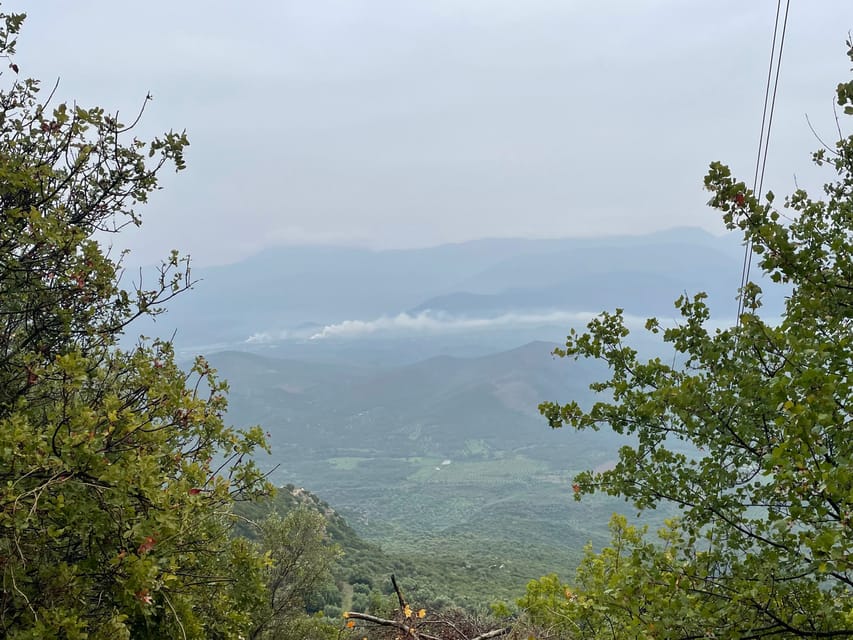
764	138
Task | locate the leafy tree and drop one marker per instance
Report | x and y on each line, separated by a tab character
629	589
750	436
117	473
299	566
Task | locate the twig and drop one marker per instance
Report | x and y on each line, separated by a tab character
496	633
148	97
447	623
399	593
175	613
819	139
837	121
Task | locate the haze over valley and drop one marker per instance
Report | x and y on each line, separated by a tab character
402	386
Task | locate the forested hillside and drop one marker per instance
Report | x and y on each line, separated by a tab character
445	460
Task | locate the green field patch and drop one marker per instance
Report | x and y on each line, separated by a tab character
346	463
449	471
476	448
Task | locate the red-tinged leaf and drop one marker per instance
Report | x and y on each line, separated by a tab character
146	546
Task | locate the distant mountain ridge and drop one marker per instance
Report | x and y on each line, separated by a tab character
291	293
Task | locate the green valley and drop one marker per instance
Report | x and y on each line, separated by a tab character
444	464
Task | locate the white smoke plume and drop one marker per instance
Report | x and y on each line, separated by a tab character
427	322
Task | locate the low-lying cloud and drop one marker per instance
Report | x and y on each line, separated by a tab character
266	337
428	322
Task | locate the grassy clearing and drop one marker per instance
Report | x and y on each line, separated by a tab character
345	463
484	472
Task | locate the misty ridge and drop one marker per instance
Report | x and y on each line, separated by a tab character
282	299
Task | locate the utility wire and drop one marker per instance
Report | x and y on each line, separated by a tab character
764	138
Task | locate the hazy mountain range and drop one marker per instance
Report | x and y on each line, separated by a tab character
290	300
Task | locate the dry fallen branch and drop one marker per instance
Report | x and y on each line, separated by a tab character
413	631
411	626
494	633
402	626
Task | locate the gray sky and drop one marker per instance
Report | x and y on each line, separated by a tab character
400	123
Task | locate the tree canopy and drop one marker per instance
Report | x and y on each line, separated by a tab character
117	471
747	431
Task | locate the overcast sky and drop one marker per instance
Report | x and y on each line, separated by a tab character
400	123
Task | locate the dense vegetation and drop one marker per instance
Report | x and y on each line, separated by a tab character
435	578
444	464
118	472
747	431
